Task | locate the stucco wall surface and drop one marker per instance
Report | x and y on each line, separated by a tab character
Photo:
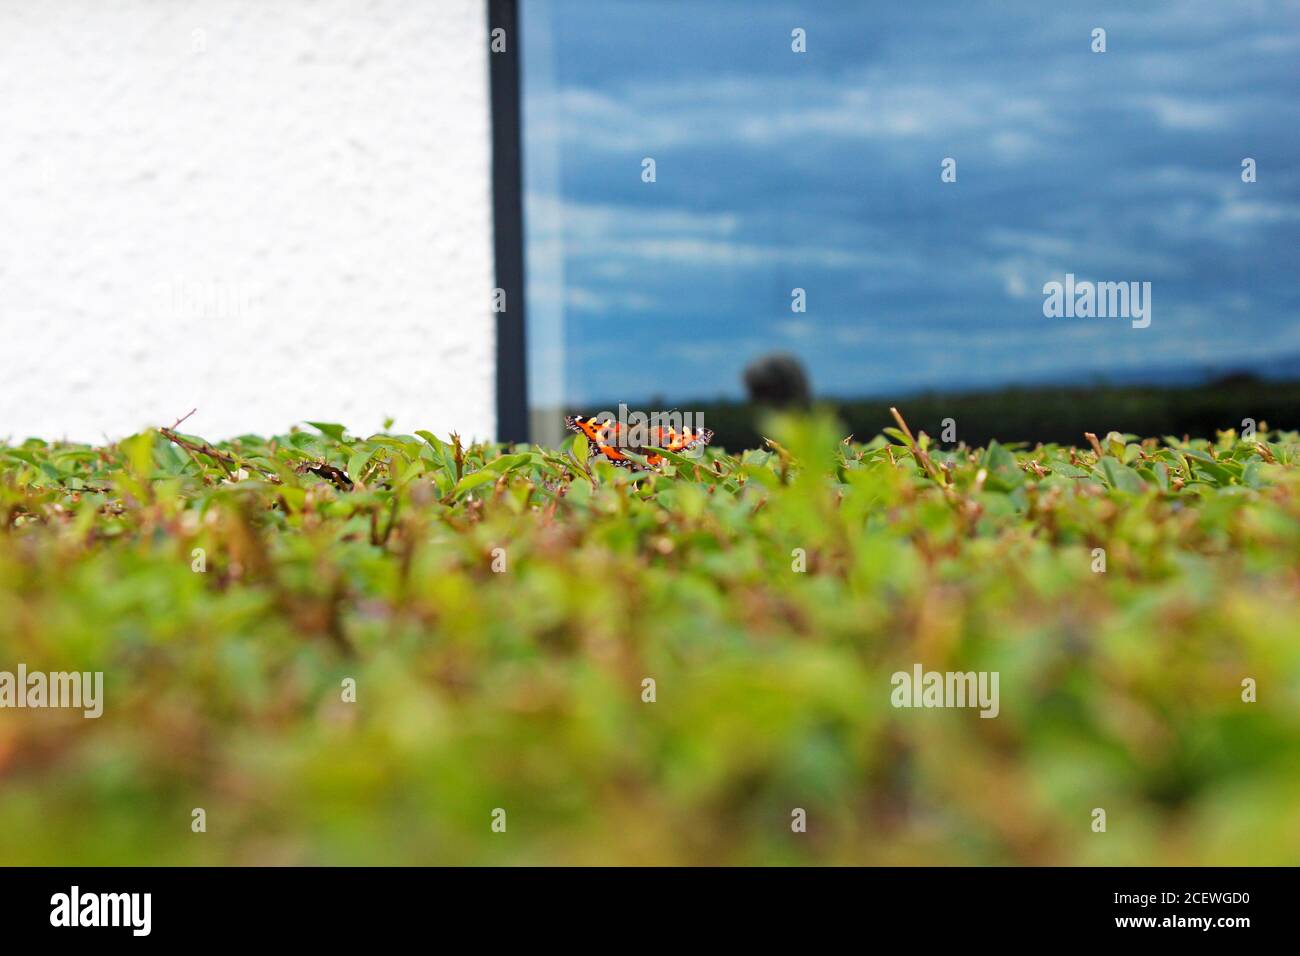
270	211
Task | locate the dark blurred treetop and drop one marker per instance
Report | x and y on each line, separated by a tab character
777	380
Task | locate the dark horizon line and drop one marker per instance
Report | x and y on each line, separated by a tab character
1227	379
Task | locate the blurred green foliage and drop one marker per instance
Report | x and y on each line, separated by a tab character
1041	413
326	556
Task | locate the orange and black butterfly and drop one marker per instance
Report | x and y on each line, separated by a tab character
604	436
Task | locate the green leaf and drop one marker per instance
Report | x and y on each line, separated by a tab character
357	463
475	479
434	442
329	429
688	467
508	463
1162	475
997	458
1067	470
1120	477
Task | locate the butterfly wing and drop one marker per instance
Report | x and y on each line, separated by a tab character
689	439
599	435
602	434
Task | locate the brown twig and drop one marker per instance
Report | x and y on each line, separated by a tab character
203	448
917	451
220	457
189	454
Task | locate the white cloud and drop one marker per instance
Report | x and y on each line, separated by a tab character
761	111
1183	113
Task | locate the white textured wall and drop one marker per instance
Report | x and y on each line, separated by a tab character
269	209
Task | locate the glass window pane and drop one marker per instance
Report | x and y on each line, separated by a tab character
799	202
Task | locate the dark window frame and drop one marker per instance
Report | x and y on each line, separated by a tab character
508	223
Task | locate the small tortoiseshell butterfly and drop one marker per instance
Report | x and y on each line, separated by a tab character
604	437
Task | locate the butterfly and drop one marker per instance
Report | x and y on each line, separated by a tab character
605	437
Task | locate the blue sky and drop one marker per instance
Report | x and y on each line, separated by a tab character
821	170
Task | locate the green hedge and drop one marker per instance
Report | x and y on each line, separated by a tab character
500	610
